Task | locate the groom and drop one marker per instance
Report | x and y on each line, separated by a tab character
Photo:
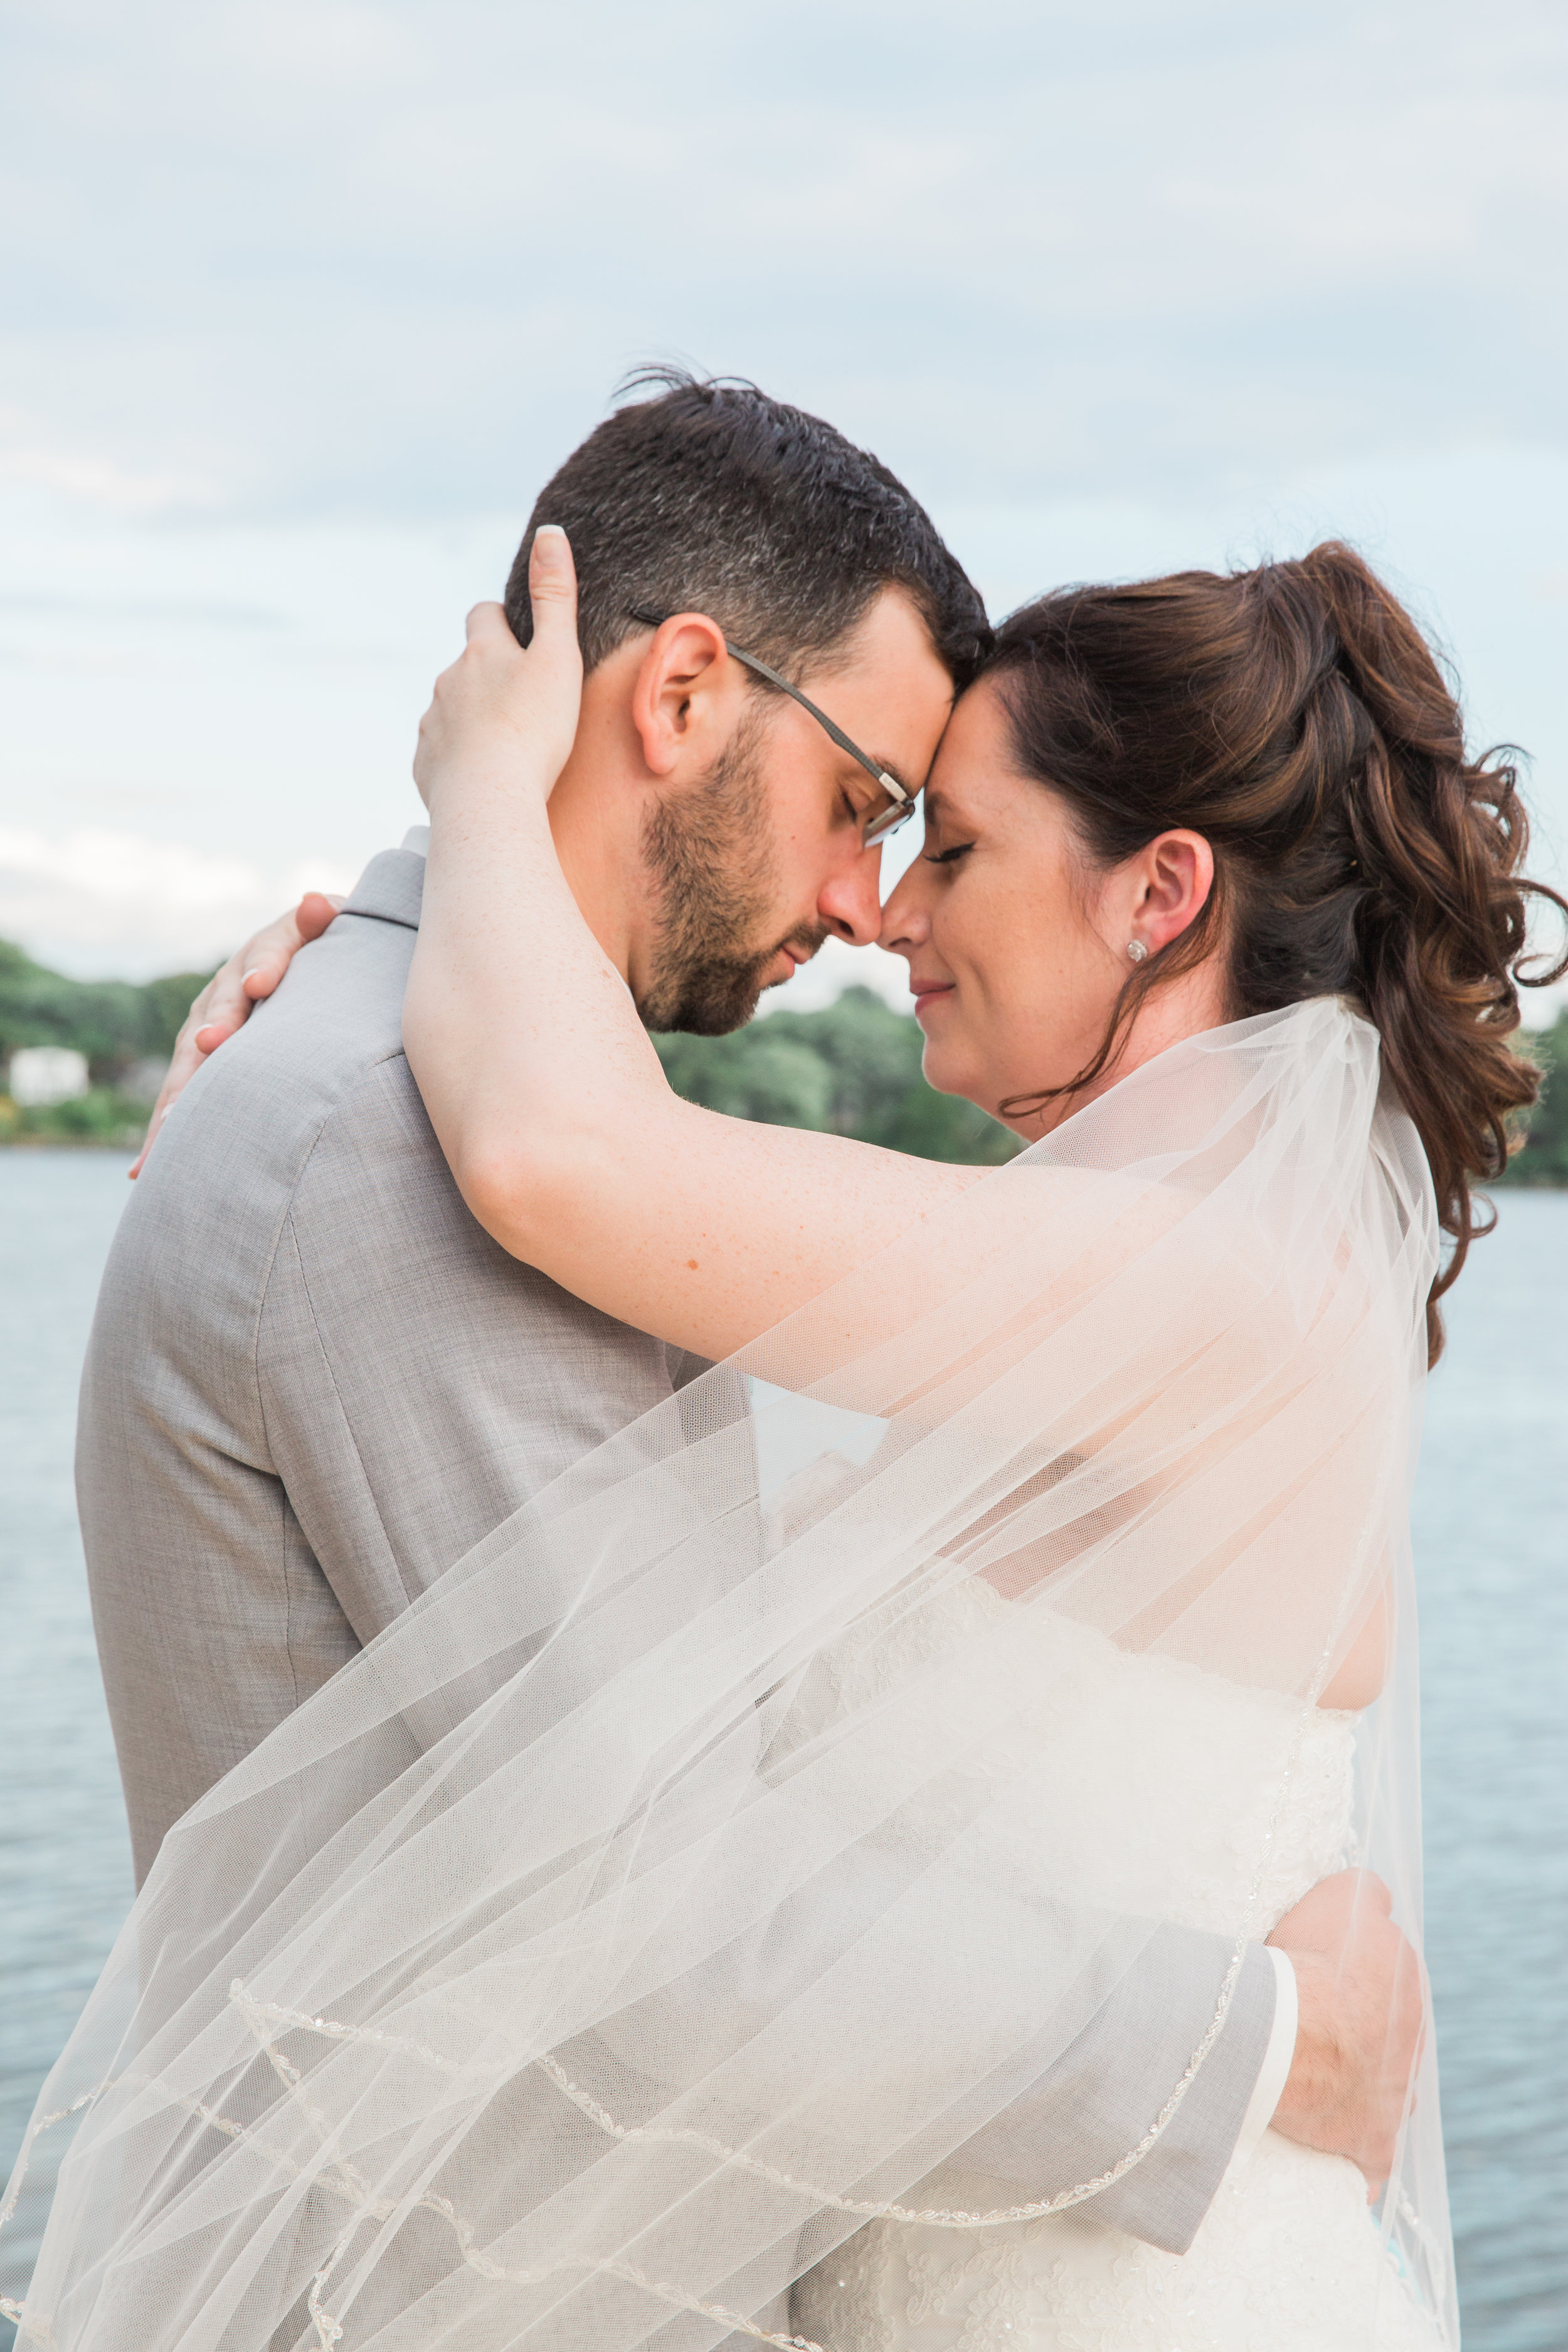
314	1382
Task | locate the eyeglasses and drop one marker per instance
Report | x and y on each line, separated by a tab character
901	801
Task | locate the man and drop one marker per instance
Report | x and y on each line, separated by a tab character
314	1382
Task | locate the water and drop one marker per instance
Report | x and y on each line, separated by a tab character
1492	1512
65	1856
1491	1550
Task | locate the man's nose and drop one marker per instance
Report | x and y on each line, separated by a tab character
851	902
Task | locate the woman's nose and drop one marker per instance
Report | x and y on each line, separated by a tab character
905	923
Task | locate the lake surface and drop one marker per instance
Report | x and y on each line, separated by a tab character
1492	1552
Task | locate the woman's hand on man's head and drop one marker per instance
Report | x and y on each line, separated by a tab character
226	1002
498	707
504	712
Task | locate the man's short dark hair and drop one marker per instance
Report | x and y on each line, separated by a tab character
711	498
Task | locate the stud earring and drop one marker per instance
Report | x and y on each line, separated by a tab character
1137	951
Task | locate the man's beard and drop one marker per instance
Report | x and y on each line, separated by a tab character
711	856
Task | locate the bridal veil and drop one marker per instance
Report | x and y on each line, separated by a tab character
594	1953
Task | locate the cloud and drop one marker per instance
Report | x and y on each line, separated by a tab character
837	967
26	456
116	903
100	901
157	612
303	302
390	257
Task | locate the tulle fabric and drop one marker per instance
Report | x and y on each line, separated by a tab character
575	1969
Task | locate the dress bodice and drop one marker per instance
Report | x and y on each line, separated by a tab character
1137	1780
1170	1789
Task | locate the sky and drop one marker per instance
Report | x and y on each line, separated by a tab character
302	304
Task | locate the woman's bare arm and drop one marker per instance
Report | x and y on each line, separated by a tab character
564	1136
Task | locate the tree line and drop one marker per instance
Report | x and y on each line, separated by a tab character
853	1068
116	1024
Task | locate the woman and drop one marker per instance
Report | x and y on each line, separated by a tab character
1032	1574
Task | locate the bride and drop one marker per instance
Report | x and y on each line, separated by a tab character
1031	1576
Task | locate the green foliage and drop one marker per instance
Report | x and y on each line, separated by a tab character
853	1068
1543	1159
101	1116
114	1023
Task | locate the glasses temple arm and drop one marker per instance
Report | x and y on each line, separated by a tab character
889	783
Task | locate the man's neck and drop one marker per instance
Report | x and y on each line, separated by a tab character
596	821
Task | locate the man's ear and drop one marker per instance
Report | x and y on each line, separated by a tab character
683	680
1173	877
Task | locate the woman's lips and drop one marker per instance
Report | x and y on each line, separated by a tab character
927	992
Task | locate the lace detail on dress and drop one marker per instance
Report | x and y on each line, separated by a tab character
1288	2259
1096	1734
844	2301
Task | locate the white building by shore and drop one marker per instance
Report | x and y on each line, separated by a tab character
41	1075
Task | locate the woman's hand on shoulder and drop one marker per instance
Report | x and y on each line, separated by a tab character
226	1003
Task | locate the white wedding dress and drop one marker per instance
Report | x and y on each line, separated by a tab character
1289	2258
527	1985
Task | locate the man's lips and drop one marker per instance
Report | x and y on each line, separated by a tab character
785	962
796	950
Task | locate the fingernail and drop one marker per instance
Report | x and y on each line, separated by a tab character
549	542
247	977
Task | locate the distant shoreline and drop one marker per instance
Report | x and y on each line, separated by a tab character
128	1146
126	1149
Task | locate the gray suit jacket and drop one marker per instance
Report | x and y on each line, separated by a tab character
314	1381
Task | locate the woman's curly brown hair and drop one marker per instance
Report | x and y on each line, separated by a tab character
1296	717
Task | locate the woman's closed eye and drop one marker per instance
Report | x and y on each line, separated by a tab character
947	856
